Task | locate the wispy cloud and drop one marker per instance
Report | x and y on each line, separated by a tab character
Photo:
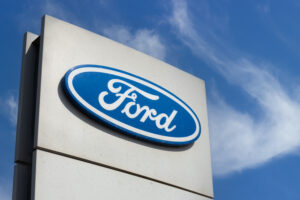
285	29
12	107
9	108
55	8
5	189
4	195
144	40
264	7
30	16
241	140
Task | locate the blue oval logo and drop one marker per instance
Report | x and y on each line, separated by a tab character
132	104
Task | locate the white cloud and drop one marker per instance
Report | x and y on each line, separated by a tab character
12	107
264	8
241	140
54	8
5	189
4	195
143	40
103	2
32	12
9	108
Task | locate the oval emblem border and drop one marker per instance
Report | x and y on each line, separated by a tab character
127	129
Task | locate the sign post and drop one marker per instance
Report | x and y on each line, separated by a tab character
99	120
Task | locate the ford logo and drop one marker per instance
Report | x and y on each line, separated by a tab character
132	104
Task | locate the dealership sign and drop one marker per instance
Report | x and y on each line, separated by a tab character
132	104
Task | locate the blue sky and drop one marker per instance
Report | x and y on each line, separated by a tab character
248	53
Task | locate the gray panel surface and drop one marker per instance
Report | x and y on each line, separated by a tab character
59	177
63	128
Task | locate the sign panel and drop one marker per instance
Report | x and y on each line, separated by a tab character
126	91
132	104
176	101
62	178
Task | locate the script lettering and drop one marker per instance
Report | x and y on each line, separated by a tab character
132	109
